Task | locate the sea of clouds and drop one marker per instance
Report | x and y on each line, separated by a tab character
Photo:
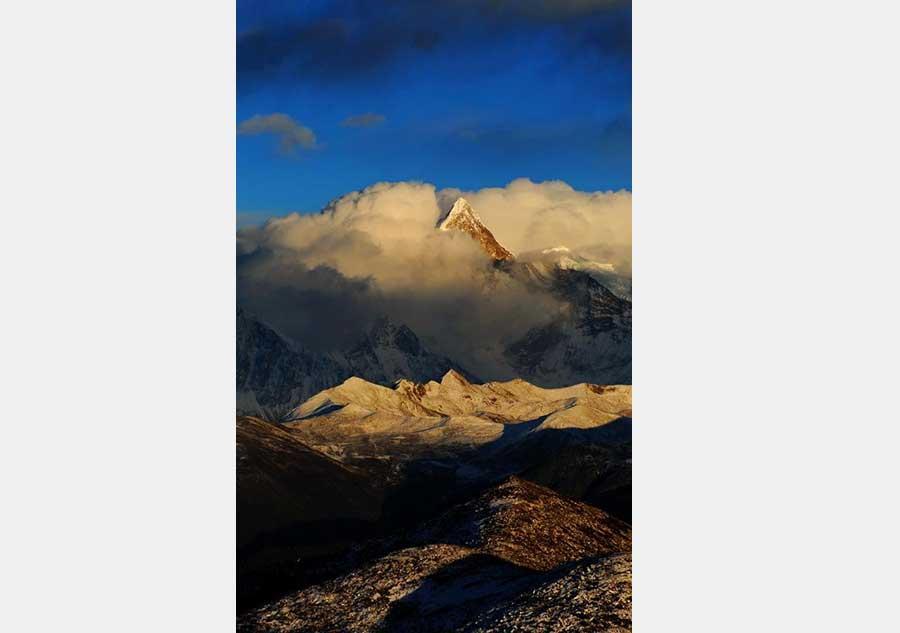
321	279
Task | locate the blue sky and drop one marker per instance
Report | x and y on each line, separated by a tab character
460	93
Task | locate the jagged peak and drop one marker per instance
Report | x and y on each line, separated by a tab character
462	217
461	209
453	377
356	380
410	388
405	384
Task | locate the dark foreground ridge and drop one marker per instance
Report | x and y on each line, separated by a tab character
517	558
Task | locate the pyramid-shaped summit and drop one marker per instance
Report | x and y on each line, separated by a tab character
454	379
462	217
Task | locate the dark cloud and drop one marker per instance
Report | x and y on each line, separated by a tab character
542	10
610	36
326	50
348	40
290	133
369	119
319	307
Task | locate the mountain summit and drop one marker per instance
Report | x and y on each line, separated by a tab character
462	217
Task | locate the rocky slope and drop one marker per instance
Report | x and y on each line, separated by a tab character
592	595
446	588
518	557
282	481
530	526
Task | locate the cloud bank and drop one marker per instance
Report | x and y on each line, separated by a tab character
322	279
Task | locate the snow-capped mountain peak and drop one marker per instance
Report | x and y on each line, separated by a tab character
462	217
461	211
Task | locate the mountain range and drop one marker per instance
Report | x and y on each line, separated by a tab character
275	374
437	506
587	340
398	482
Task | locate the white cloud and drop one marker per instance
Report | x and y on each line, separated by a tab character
440	283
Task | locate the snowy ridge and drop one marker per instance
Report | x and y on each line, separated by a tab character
512	401
543	264
358	417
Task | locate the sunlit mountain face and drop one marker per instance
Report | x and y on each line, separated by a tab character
433	318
